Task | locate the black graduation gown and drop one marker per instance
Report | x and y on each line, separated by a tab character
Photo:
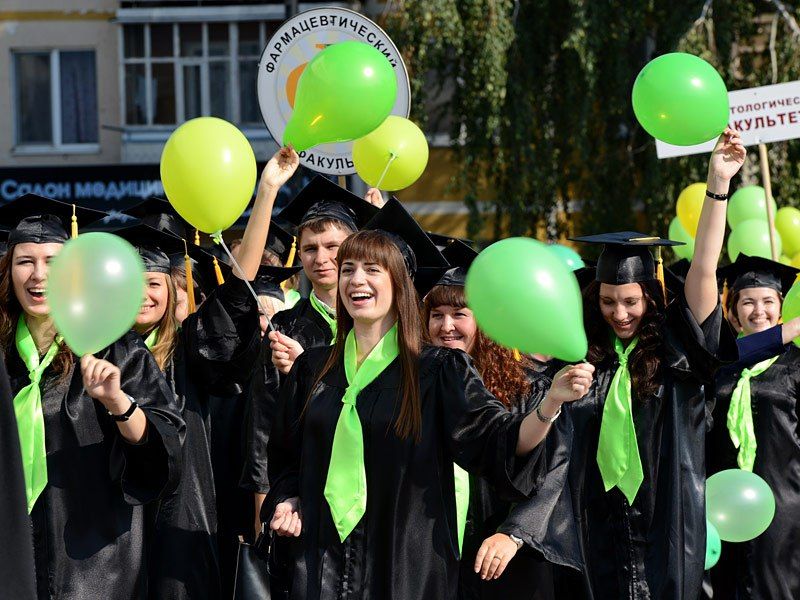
305	325
654	548
16	551
88	523
405	546
217	345
528	576
767	568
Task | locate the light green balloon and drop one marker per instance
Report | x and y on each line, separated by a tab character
344	93
739	504
523	296
571	258
751	237
787	222
749	202
678	234
94	290
680	99
713	545
791	306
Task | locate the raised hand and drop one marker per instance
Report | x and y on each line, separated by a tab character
571	383
280	168
101	380
285	351
374	197
728	156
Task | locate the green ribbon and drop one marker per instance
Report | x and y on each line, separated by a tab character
740	415
28	410
462	502
152	339
346	485
324	310
618	449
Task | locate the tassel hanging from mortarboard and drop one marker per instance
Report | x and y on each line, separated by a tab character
517	355
724	298
660	272
187	262
196	237
290	261
74	224
218	272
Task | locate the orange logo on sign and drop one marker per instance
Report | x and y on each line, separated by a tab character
294	77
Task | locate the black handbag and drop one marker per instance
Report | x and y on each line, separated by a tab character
252	570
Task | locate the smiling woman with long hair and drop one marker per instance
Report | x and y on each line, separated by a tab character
362	449
99	437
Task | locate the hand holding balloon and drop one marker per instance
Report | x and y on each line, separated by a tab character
279	169
571	383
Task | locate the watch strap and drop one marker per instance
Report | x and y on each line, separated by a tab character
127	414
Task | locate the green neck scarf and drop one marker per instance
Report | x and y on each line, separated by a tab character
740	415
462	502
618	450
152	339
346	485
28	410
325	311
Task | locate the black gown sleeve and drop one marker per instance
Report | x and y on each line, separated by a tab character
286	437
149	470
222	339
760	346
481	433
16	551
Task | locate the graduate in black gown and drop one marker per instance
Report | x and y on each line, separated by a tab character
623	501
214	349
521	572
324	214
16	553
758	432
99	434
362	449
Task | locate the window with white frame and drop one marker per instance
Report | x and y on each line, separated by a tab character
177	71
55	100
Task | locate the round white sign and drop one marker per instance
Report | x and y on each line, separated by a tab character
289	51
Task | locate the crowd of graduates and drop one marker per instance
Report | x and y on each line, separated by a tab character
369	438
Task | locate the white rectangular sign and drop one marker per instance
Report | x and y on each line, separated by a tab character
769	113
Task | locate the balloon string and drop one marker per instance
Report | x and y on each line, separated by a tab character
218	239
392	156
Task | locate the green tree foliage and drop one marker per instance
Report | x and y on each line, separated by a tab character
541	112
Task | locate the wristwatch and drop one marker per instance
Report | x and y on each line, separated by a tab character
516	540
127	414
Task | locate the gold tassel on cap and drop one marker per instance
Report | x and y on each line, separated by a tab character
74	231
660	272
724	298
290	262
196	237
218	272
187	262
517	355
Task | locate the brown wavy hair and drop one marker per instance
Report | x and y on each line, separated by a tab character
10	311
502	374
168	328
645	360
377	247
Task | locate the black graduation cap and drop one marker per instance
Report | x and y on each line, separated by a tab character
154	246
442	241
323	199
755	271
202	264
416	247
160	214
625	257
268	280
39	220
282	243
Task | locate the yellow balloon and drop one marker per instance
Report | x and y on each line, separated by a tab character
209	173
393	156
690	203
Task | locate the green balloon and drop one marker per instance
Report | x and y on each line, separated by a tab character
752	238
787	222
344	93
739	504
680	99
94	290
791	306
571	258
749	202
713	545
523	296
677	233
